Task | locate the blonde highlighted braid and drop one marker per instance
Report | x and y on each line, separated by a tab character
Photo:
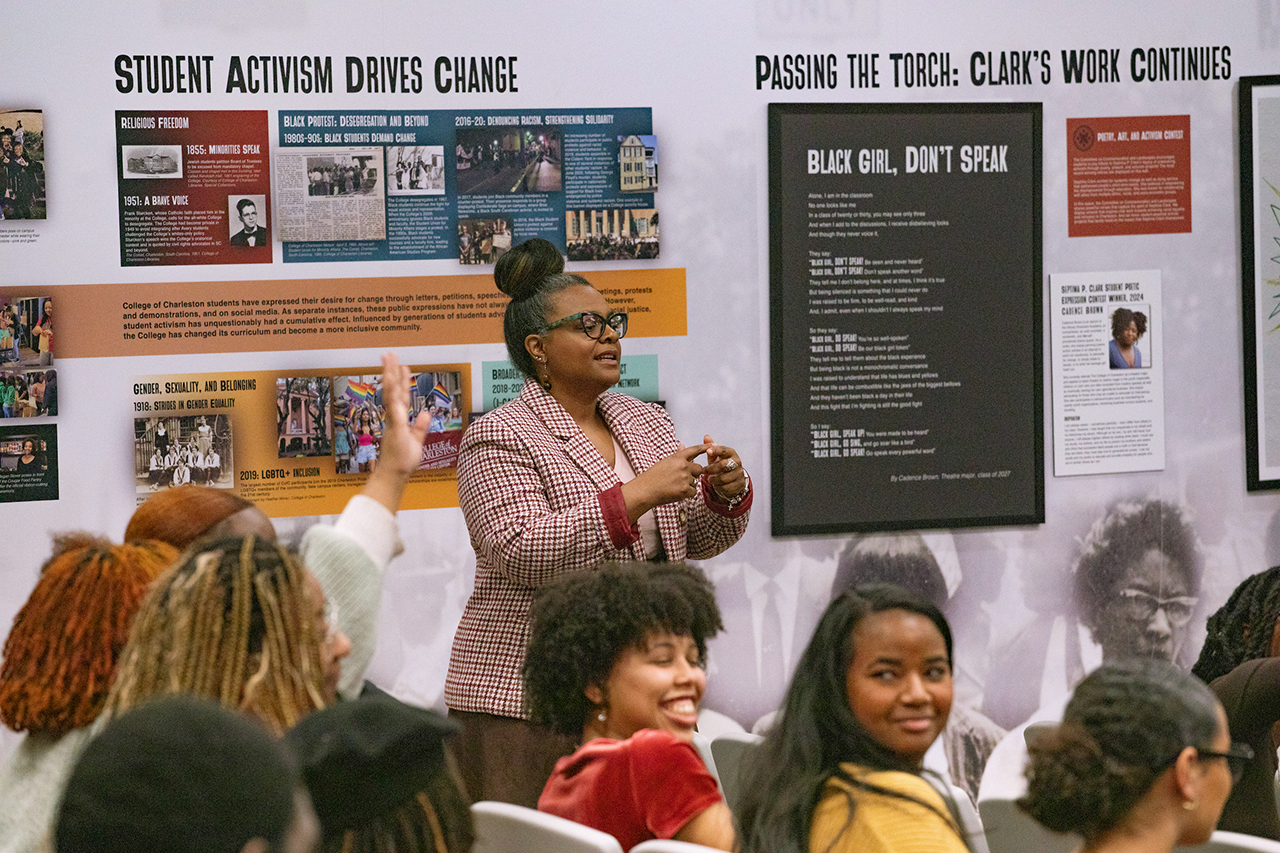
231	621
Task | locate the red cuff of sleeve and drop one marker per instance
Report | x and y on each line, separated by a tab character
614	508
715	505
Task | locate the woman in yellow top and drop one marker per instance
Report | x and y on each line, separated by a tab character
841	770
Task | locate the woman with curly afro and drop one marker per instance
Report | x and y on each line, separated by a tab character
1127	327
617	656
1141	763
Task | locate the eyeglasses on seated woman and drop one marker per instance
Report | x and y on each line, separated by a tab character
1142	761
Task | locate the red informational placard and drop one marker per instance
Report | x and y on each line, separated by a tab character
1128	175
195	187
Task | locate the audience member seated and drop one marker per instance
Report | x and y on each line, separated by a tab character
349	558
1142	761
240	621
905	559
58	662
1240	661
185	776
381	779
840	771
617	657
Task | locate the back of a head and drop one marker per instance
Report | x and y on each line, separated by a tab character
377	768
582	622
183	514
178	775
62	651
1125	725
903	559
782	781
232	622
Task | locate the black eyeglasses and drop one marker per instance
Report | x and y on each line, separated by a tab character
1236	757
593	324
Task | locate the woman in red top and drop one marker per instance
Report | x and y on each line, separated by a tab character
617	657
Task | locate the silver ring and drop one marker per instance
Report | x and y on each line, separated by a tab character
731	465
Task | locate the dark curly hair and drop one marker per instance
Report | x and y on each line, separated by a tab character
1126	723
1118	541
897	558
1122	317
582	622
530	273
783	780
1241	629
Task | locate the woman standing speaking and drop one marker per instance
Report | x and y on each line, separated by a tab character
560	479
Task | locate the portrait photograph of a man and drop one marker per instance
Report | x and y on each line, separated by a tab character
247	215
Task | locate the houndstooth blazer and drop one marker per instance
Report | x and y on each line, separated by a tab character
539	502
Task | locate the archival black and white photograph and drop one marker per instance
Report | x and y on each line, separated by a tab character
151	161
180	450
248	217
336	194
344	174
415	170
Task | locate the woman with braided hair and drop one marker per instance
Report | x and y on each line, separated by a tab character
1141	763
1240	661
239	621
59	659
349	558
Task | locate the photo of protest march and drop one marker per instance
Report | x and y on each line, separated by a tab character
496	160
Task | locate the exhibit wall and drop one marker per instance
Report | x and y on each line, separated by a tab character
238	207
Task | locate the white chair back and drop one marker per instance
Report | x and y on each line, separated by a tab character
504	828
970	822
702	743
729	751
670	845
1234	842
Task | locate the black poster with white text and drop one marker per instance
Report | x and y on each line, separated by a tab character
905	300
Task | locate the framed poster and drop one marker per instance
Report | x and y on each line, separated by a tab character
906	338
1260	276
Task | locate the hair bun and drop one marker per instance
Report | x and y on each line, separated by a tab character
1073	786
520	271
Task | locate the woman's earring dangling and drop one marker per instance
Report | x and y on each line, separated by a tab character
545	378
